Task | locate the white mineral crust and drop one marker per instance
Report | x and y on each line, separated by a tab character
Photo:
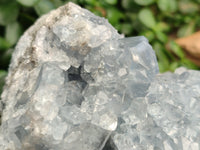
74	83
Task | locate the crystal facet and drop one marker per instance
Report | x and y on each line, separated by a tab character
74	83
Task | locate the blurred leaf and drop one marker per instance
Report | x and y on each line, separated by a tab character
4	44
57	3
167	5
28	3
4	1
8	12
188	7
161	36
130	5
174	65
132	16
162	26
163	60
186	30
176	49
5	58
111	2
99	11
43	7
90	2
2	73
144	2
147	18
114	15
2	79
13	32
126	28
188	19
149	35
188	64
162	67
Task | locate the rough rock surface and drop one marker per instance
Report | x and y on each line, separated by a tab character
74	83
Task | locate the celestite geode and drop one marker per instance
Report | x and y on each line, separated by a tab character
74	83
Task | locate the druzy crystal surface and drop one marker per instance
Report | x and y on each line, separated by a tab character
74	83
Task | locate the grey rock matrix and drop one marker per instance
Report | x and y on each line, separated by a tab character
74	83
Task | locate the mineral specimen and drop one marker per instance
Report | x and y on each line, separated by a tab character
74	83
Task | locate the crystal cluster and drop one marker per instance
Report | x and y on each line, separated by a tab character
74	83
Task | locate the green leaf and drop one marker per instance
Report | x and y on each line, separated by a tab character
173	66
167	5
5	58
114	15
186	30
161	36
188	64
163	60
43	7
149	35
8	12
176	49
2	73
132	16
130	5
144	2
188	19
28	3
111	2
188	7
13	32
147	18
4	44
90	2
126	28
162	26
57	3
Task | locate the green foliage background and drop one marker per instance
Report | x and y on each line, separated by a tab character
161	21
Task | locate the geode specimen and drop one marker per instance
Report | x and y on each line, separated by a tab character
74	83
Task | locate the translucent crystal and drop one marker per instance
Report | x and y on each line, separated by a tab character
74	83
